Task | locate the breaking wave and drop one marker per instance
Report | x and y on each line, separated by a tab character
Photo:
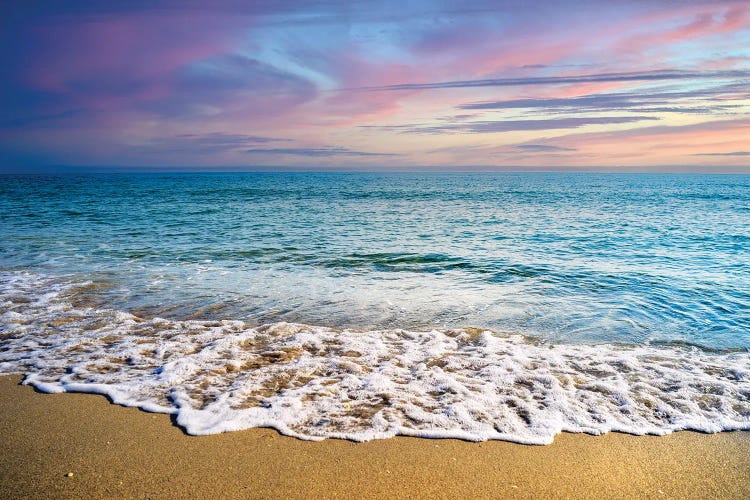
315	382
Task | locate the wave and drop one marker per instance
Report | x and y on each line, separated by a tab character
315	382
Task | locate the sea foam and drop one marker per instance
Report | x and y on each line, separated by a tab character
314	382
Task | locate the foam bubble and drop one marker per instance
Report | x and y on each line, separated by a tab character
316	382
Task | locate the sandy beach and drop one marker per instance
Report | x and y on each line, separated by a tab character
113	451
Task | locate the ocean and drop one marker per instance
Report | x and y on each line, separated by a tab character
479	306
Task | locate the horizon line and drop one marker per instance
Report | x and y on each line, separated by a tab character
666	169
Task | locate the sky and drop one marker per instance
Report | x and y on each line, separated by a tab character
392	85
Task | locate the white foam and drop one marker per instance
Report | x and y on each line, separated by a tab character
315	382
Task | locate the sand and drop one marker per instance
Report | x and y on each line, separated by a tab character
113	451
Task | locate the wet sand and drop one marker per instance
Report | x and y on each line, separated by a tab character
113	451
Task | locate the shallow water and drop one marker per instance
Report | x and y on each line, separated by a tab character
481	306
566	257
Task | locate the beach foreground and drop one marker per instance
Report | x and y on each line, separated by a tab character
116	451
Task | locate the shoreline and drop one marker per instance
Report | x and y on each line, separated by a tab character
117	451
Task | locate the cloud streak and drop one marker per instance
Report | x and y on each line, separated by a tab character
499	126
209	143
701	101
318	152
634	76
542	148
731	153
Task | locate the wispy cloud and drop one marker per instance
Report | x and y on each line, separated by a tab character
219	137
488	127
209	143
732	153
634	76
689	142
700	101
325	151
542	148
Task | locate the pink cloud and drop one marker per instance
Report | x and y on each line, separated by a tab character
106	61
736	18
662	140
704	22
353	69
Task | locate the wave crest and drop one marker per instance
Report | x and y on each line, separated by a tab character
315	382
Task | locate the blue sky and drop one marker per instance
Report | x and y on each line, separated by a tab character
574	85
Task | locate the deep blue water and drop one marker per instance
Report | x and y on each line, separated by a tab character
566	257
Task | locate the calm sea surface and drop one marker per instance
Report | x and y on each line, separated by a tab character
565	257
361	306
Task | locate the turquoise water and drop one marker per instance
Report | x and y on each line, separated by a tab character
362	306
581	258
